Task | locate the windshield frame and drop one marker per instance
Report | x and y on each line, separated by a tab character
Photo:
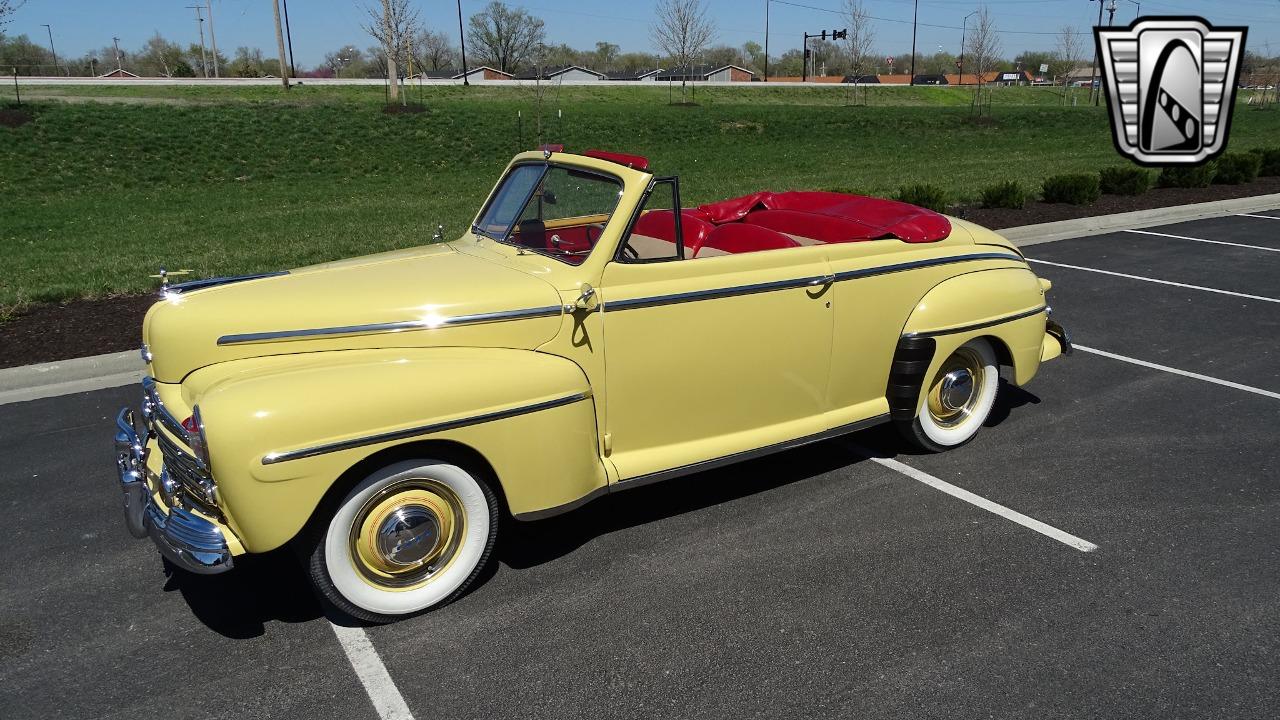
547	166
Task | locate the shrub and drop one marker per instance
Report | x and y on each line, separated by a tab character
1075	188
1237	168
924	195
1124	180
1269	159
1008	194
1188	177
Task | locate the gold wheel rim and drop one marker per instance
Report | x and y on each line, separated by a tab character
956	388
407	533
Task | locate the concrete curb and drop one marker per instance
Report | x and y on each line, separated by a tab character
33	382
1100	224
63	377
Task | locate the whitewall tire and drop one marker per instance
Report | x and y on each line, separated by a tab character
409	537
956	398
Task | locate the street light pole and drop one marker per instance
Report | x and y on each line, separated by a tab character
462	41
915	14
964	27
55	52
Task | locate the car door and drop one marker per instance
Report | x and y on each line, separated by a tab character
713	356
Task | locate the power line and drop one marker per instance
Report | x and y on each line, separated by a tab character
931	25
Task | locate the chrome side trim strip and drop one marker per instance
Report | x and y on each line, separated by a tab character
979	326
215	281
813	281
390	327
914	264
278	457
713	293
642	480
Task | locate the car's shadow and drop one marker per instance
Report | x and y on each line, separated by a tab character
274	588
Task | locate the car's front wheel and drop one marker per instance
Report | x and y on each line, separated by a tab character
958	398
409	537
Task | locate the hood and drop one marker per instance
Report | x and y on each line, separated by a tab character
409	298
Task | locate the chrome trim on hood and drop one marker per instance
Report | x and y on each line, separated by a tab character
391	327
215	281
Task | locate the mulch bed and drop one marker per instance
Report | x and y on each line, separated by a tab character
1042	212
14	117
43	333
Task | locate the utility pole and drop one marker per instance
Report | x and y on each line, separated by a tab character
284	75
1093	75
288	34
462	40
766	40
55	52
212	39
116	41
204	60
915	14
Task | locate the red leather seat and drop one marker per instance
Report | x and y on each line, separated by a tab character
740	238
827	228
661	224
734	208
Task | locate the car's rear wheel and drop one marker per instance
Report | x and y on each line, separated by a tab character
957	398
407	538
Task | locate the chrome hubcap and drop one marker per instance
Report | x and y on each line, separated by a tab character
408	535
957	389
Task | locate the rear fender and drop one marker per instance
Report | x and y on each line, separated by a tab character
281	430
1007	305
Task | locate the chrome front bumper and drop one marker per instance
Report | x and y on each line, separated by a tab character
184	538
1059	333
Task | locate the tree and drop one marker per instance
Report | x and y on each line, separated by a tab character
506	38
7	10
433	51
859	37
753	56
159	57
392	25
197	60
605	54
346	61
1068	57
982	51
636	62
682	31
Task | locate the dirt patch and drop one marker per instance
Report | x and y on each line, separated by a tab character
742	126
42	333
14	117
410	109
1042	212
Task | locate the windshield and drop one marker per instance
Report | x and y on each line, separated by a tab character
556	210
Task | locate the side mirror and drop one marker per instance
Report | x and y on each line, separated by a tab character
586	299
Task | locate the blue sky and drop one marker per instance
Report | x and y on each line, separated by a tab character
322	25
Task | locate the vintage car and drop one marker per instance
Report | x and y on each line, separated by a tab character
587	334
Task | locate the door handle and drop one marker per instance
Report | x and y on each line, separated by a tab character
820	281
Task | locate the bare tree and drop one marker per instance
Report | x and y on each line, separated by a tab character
858	40
1069	57
433	51
7	9
392	25
983	49
508	38
682	31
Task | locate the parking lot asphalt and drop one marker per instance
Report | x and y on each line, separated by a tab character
814	583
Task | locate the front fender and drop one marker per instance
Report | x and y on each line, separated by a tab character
1006	303
281	430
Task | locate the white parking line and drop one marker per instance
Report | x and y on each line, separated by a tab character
1214	242
977	500
1176	371
1155	280
1264	217
373	674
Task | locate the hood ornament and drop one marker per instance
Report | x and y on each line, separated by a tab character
164	276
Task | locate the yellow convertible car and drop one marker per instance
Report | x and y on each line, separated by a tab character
586	334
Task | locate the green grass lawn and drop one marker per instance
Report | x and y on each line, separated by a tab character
98	195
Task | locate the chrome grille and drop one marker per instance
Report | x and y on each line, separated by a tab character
192	485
